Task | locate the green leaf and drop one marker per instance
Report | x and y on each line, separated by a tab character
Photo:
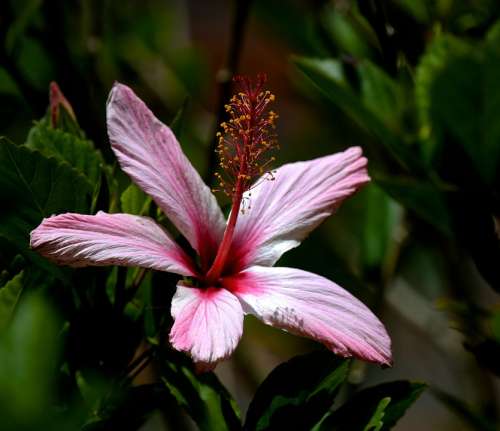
204	398
380	93
9	298
130	410
32	187
376	422
458	98
418	9
178	123
28	352
421	197
135	201
67	147
327	75
150	323
304	38
493	36
91	389
432	62
381	217
349	31
20	23
494	324
373	409
297	393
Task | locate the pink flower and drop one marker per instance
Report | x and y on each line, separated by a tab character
234	275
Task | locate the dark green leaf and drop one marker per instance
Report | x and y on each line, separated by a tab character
67	147
493	36
377	421
421	197
150	323
28	352
279	20
32	187
19	25
131	409
297	393
327	75
178	123
135	201
381	218
380	93
9	298
417	8
204	398
461	100
373	409
348	31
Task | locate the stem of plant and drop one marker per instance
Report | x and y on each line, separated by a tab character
139	278
148	353
130	377
224	75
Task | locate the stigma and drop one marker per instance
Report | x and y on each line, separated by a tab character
247	139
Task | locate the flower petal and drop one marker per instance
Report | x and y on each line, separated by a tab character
150	154
109	239
309	305
208	324
285	210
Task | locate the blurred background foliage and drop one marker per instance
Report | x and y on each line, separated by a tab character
414	82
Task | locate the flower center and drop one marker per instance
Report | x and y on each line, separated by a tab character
243	149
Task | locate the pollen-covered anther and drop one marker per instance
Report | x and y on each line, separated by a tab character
247	136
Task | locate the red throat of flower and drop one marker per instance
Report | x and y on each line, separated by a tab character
243	147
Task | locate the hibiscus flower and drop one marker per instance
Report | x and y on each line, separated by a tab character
233	274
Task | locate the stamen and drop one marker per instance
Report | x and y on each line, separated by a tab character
247	137
243	148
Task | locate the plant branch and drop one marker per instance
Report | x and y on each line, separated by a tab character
224	75
148	353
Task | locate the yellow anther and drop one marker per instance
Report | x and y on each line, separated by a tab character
244	139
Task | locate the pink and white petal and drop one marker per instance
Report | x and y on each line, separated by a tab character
208	324
285	210
312	306
109	239
150	154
